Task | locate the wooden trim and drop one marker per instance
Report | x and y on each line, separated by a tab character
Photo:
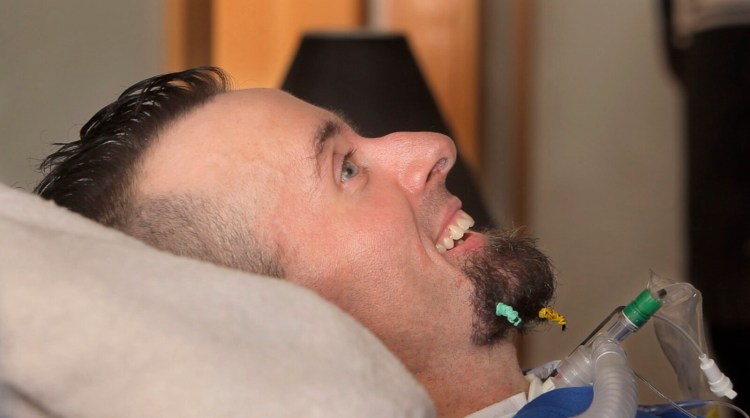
187	26
255	40
520	141
444	35
522	15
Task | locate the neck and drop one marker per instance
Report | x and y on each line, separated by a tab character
463	383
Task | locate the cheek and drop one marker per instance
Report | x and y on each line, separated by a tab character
362	254
373	265
341	255
383	239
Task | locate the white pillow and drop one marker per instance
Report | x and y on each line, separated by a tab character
96	324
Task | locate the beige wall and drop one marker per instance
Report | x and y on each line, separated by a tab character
607	175
62	61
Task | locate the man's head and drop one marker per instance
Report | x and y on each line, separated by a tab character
97	175
259	180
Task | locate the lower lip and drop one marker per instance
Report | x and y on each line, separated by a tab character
472	241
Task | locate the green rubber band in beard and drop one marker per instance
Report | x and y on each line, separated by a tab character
509	269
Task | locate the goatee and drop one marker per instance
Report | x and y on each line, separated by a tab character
512	270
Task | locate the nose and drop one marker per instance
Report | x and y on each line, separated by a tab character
416	159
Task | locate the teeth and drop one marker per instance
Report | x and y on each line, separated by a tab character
454	232
465	222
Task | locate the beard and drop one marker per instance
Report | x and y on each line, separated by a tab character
512	270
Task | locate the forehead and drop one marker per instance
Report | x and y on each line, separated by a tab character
240	140
261	107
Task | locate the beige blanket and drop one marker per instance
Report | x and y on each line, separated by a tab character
96	324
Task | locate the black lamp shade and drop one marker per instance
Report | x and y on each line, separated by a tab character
373	79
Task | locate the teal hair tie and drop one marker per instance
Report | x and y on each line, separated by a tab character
508	312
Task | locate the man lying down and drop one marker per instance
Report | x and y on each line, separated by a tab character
260	181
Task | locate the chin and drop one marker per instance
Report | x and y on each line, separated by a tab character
507	267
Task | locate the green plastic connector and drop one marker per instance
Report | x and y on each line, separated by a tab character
640	310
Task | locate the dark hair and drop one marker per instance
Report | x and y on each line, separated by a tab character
200	227
94	175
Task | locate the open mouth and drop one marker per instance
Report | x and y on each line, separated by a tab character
453	235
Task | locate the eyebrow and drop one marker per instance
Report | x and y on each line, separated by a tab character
325	131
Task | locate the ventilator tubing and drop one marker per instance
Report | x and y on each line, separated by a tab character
603	362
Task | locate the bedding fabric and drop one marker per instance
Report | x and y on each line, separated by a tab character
96	324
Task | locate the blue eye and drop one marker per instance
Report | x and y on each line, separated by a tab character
348	170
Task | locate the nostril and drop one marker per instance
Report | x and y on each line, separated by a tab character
438	168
